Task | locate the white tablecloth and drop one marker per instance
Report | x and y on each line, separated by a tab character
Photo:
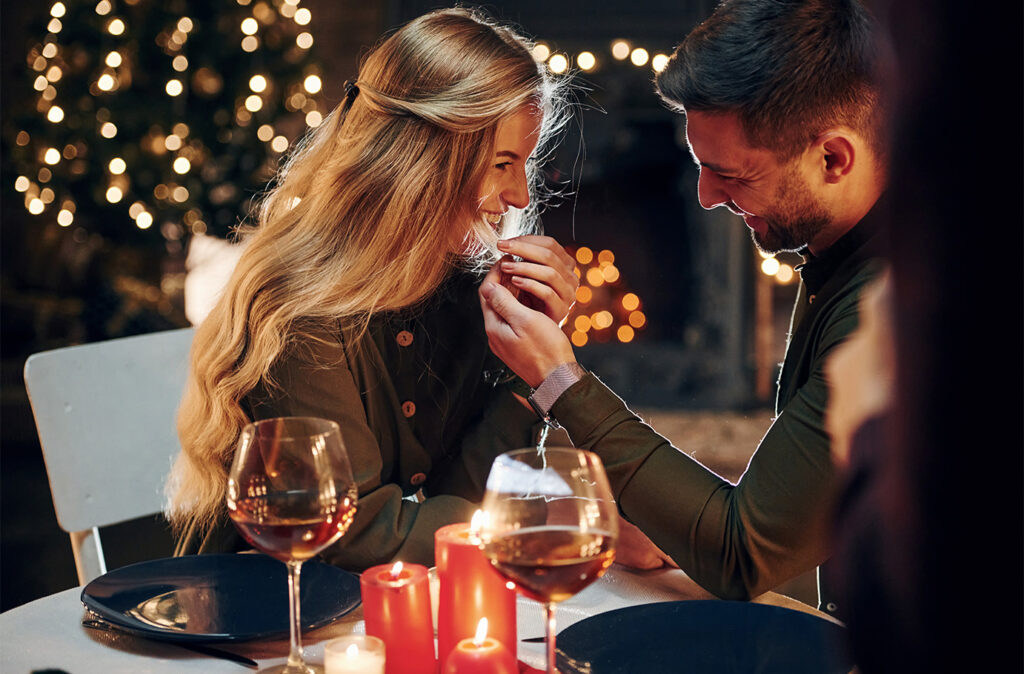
47	633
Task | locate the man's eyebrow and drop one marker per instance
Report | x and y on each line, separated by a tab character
718	169
506	153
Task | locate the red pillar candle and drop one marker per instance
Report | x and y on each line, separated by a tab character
470	589
480	655
396	608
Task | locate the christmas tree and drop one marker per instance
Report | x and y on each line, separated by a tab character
143	123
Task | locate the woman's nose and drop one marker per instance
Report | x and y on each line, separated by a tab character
516	192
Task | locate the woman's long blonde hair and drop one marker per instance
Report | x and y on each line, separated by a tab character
369	214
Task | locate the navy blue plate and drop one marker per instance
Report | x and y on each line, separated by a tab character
719	637
203	598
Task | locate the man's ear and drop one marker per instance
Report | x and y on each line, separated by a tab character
837	155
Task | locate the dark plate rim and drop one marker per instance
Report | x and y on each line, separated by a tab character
125	623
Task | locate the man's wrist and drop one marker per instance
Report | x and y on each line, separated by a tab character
553	386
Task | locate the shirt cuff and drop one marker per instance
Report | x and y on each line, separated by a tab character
555	384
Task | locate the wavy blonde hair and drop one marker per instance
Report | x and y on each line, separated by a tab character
370	213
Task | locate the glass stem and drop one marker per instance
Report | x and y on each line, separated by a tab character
549	620
295	661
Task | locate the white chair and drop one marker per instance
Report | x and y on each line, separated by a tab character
105	414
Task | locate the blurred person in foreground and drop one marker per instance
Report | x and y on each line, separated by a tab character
355	297
785	121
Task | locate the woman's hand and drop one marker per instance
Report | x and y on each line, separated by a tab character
637	551
544	276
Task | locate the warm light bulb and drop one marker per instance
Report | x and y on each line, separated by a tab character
637	319
312	84
265	132
103	7
185	24
114	194
105	82
584	295
558	63
108	130
785	274
770	266
54	26
304	40
579	338
630	301
65	217
40	83
52	156
113	59
584	255
279	144
595	277
172	142
115	27
58	9
303	16
36	206
625	334
55	114
180	63
314	118
541	52
659	62
174	87
180	194
21	184
144	220
253	103
639	56
50	50
250	26
250	43
181	165
586	60
620	49
258	83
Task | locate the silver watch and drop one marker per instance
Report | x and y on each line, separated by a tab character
553	386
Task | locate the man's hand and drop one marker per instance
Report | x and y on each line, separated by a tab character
637	551
526	340
544	275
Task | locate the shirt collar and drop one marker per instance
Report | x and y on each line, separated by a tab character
817	269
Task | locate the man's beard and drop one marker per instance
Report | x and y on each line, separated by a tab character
796	223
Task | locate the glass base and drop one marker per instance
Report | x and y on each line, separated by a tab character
285	669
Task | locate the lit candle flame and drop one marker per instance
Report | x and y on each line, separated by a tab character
481	633
352	651
396	571
477	523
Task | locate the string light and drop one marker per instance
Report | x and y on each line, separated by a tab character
52	156
558	63
36	206
181	165
250	26
105	82
50	50
540	52
108	130
265	132
253	103
173	142
250	43
659	62
54	26
639	56
312	84
103	7
114	194
65	217
58	9
113	59
179	63
620	50
258	83
304	40
21	184
174	87
115	27
586	60
279	144
55	114
314	119
303	16
144	221
770	266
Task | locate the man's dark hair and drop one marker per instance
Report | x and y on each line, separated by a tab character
789	69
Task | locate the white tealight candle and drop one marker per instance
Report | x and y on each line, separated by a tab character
354	654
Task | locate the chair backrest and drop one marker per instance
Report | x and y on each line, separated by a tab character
105	413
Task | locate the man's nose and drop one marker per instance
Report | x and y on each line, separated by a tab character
709	194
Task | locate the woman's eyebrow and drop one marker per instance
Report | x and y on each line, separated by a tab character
506	153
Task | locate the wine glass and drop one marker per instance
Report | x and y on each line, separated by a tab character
549	525
291	494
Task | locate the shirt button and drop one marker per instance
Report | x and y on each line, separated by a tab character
418	479
810	300
408	408
404	338
830	607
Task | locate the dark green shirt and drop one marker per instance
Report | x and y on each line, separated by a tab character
422	404
738	541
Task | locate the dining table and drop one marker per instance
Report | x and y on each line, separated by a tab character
48	635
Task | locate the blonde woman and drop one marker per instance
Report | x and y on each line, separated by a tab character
355	298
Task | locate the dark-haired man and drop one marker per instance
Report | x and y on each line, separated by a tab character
784	120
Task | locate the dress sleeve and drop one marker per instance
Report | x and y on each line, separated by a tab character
736	541
317	381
